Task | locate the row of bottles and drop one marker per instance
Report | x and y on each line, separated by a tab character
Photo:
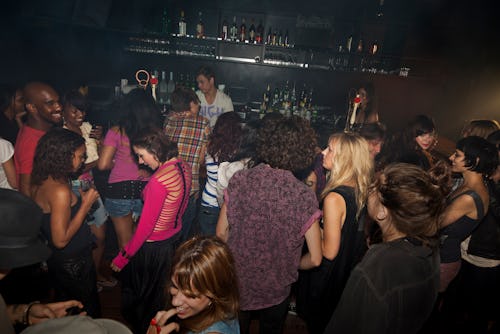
288	101
242	33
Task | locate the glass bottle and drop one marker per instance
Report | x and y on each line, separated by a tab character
182	25
233	32
170	86
163	88
269	37
259	35
251	33
200	27
224	32
243	31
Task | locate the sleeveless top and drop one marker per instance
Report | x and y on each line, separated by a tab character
320	288
452	235
223	327
79	243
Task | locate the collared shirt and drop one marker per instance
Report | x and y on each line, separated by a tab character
191	135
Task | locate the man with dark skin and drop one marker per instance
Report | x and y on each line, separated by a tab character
44	111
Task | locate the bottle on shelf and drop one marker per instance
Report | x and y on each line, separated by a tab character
233	32
182	25
279	39
170	86
286	41
165	22
224	32
243	31
348	44
269	37
163	89
374	48
359	49
259	34
200	27
274	38
251	33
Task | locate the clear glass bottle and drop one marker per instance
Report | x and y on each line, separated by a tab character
182	25
200	27
233	32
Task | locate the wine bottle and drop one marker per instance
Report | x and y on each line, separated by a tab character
269	37
259	36
251	33
182	25
163	89
200	27
170	86
224	32
233	32
243	31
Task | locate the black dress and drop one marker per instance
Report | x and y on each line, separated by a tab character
71	269
319	289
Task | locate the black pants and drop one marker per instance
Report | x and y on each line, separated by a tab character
271	319
144	280
75	278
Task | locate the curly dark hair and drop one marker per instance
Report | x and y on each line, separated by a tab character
287	143
226	136
157	143
54	155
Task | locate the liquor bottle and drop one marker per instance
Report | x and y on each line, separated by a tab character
170	86
279	39
163	89
224	32
273	38
286	42
348	44
286	96
293	98
259	36
359	49
200	28
243	31
182	25
181	83
233	32
165	22
374	48
251	33
269	37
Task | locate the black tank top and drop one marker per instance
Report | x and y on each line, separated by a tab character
453	234
78	245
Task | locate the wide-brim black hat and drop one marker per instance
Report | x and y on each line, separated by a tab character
20	240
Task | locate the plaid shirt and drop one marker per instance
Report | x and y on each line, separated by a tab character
191	135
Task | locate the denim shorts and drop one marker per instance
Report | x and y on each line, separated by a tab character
122	207
95	217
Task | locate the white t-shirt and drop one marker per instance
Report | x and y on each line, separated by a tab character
222	104
6	153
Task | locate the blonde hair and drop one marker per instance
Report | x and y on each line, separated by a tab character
351	161
481	128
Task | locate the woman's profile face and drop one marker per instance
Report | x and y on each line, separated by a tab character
457	160
426	140
187	306
146	158
79	157
328	154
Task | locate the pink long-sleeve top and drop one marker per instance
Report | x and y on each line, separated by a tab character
165	199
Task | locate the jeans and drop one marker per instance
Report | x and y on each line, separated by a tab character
189	227
207	220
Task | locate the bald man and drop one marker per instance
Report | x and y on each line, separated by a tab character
44	111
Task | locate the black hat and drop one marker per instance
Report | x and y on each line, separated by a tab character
20	222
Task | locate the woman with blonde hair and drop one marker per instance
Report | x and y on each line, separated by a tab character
204	290
347	158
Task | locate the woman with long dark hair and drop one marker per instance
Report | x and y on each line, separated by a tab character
126	181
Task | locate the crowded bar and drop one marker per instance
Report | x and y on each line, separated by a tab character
249	166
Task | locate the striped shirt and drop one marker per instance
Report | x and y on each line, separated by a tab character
191	136
209	196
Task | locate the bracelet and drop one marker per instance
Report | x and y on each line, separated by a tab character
124	254
26	313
